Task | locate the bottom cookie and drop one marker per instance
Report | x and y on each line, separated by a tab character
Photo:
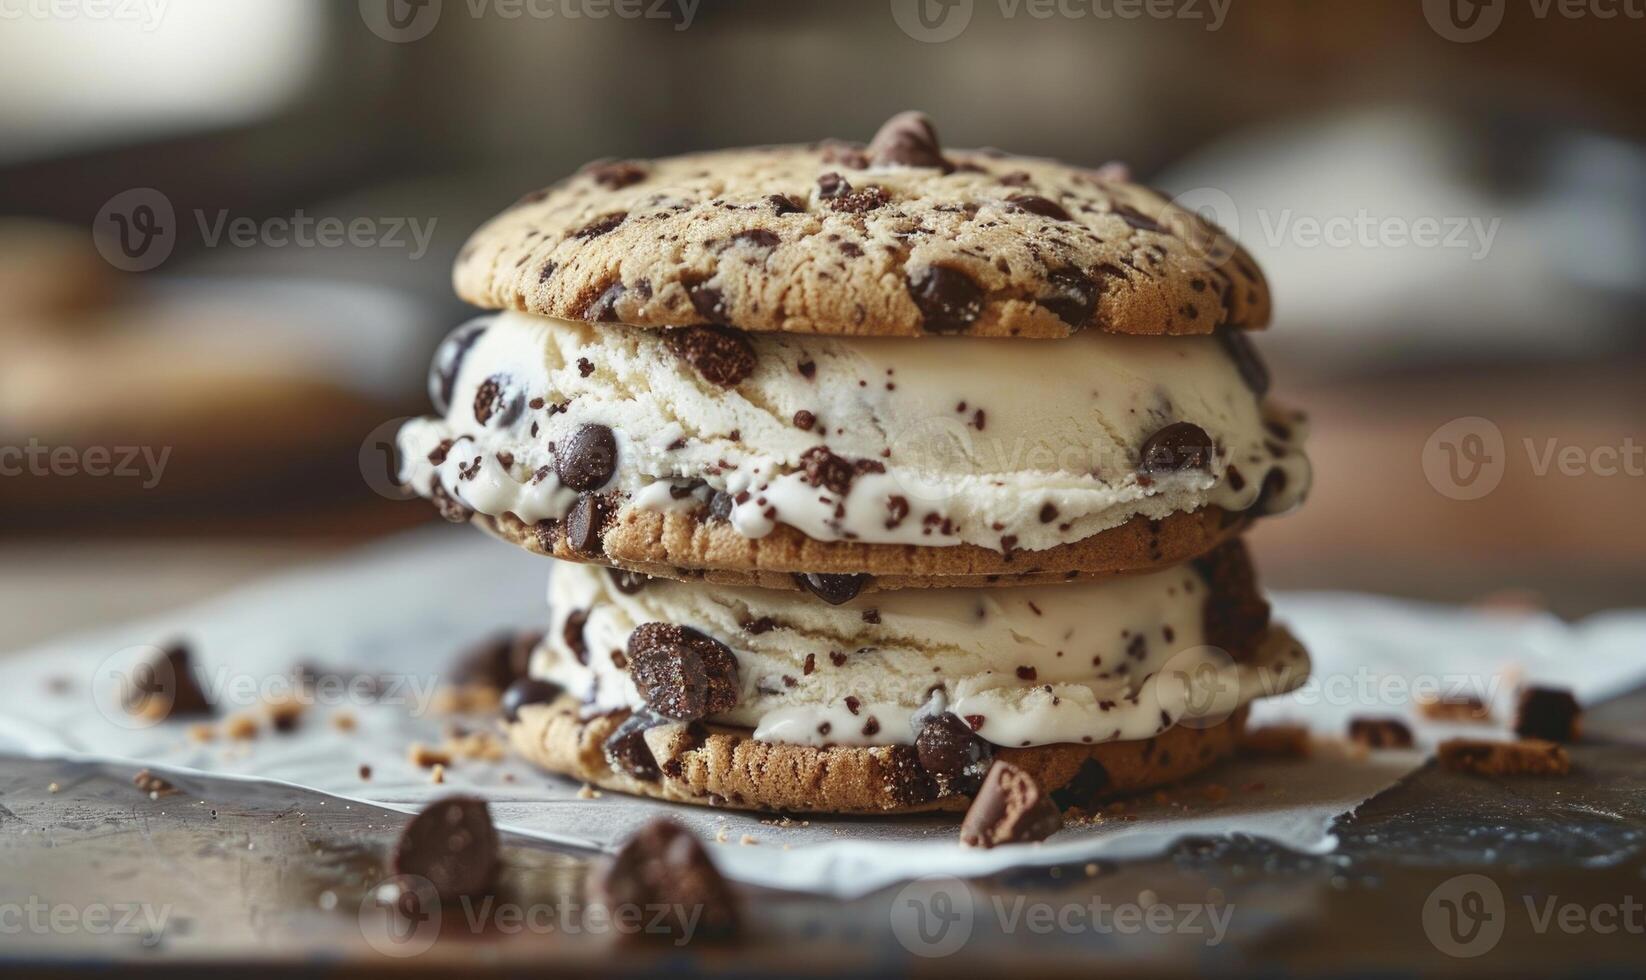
713	765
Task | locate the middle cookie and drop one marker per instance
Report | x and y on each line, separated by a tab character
839	464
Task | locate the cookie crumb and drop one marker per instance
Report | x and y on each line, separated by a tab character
202	732
1454	707
747	840
153	785
365	772
425	756
344	721
587	792
241	727
437	774
53	788
1276	742
1548	713
1380	733
1526	757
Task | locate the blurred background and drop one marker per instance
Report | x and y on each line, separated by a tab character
226	228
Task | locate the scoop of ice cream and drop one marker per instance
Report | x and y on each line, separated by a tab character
1009	445
1117	658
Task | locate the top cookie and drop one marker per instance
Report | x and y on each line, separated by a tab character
899	238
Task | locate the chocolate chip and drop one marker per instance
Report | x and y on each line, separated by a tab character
495	399
605	224
448	361
663	867
759	238
1137	219
1010	808
626	749
720	505
1246	359
627	582
707	301
571	633
832	185
1089	781
807	369
1027	674
1268	495
720	355
1071	296
844	153
165	686
784	204
908	139
1048	513
681	673
527	690
586	524
832	589
1035	204
1548	713
603	307
1178	447
948	748
1380	733
496	661
1235	614
804	420
825	469
588	459
616	174
948	299
453	844
857	202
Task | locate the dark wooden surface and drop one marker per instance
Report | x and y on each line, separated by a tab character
270	879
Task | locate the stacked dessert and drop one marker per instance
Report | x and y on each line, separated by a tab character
865	466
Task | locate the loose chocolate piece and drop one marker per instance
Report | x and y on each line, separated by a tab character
949	300
721	355
663	867
832	589
1380	733
1549	713
453	845
587	460
626	749
527	690
1071	295
495	662
947	747
1246	359
908	139
1178	447
627	582
681	673
1010	808
495	398
165	686
1454	707
1035	204
1527	757
586	523
448	361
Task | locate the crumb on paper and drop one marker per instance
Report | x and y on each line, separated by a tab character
344	721
1276	742
240	727
437	774
465	699
1454	707
284	714
365	771
53	788
587	792
483	746
747	840
202	732
425	756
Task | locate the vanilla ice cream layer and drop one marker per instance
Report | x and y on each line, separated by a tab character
1120	658
1005	444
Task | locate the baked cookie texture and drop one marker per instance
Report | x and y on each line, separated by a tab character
718	766
897	238
691	547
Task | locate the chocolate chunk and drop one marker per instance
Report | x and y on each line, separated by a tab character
825	469
758	238
586	524
1548	713
603	307
588	458
1178	447
804	420
832	589
495	662
1235	614
616	174
1089	782
627	582
908	139
784	204
1071	295
1035	204
858	202
448	361
1380	733
663	867
681	673
527	690
601	226
448	506
832	185
1268	495
948	299
571	633
1246	359
165	686
1137	219
948	748
844	153
453	844
720	505
707	301
496	399
722	356
1010	808
626	749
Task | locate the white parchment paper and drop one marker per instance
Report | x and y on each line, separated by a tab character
402	609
